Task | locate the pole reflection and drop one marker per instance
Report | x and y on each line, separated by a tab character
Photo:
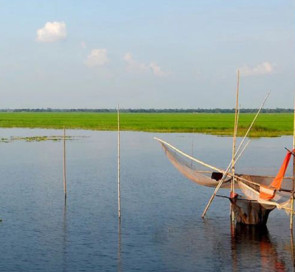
119	245
64	252
292	248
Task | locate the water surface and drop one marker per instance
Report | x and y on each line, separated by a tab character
161	227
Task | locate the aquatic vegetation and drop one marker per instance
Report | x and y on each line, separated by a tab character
36	138
267	124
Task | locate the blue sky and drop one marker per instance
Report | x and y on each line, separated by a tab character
146	54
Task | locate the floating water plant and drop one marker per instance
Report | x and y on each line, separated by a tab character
37	138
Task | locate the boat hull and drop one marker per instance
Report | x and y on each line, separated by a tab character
249	212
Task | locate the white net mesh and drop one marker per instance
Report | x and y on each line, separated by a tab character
193	170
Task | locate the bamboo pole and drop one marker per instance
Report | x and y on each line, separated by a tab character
232	187
235	134
193	146
119	188
242	142
293	180
119	197
64	165
253	121
241	153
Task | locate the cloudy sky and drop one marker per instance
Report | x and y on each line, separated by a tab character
146	54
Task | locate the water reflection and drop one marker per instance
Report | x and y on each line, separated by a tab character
163	230
64	251
292	248
246	240
119	245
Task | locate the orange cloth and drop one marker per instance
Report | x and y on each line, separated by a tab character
269	191
266	192
277	182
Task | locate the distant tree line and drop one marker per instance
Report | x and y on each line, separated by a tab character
215	110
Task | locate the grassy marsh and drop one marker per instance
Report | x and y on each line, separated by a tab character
267	124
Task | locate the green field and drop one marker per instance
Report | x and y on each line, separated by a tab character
267	124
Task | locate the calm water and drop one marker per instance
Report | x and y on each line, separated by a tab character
161	228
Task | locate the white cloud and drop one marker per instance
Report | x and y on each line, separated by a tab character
260	69
97	57
52	32
133	65
156	69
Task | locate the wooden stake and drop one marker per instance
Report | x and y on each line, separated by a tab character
293	178
193	146
119	189
235	132
232	187
64	165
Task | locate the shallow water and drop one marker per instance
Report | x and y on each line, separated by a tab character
161	227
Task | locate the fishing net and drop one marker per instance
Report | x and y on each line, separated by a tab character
194	170
207	175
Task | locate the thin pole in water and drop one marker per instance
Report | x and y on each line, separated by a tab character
64	164
232	187
119	189
293	178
